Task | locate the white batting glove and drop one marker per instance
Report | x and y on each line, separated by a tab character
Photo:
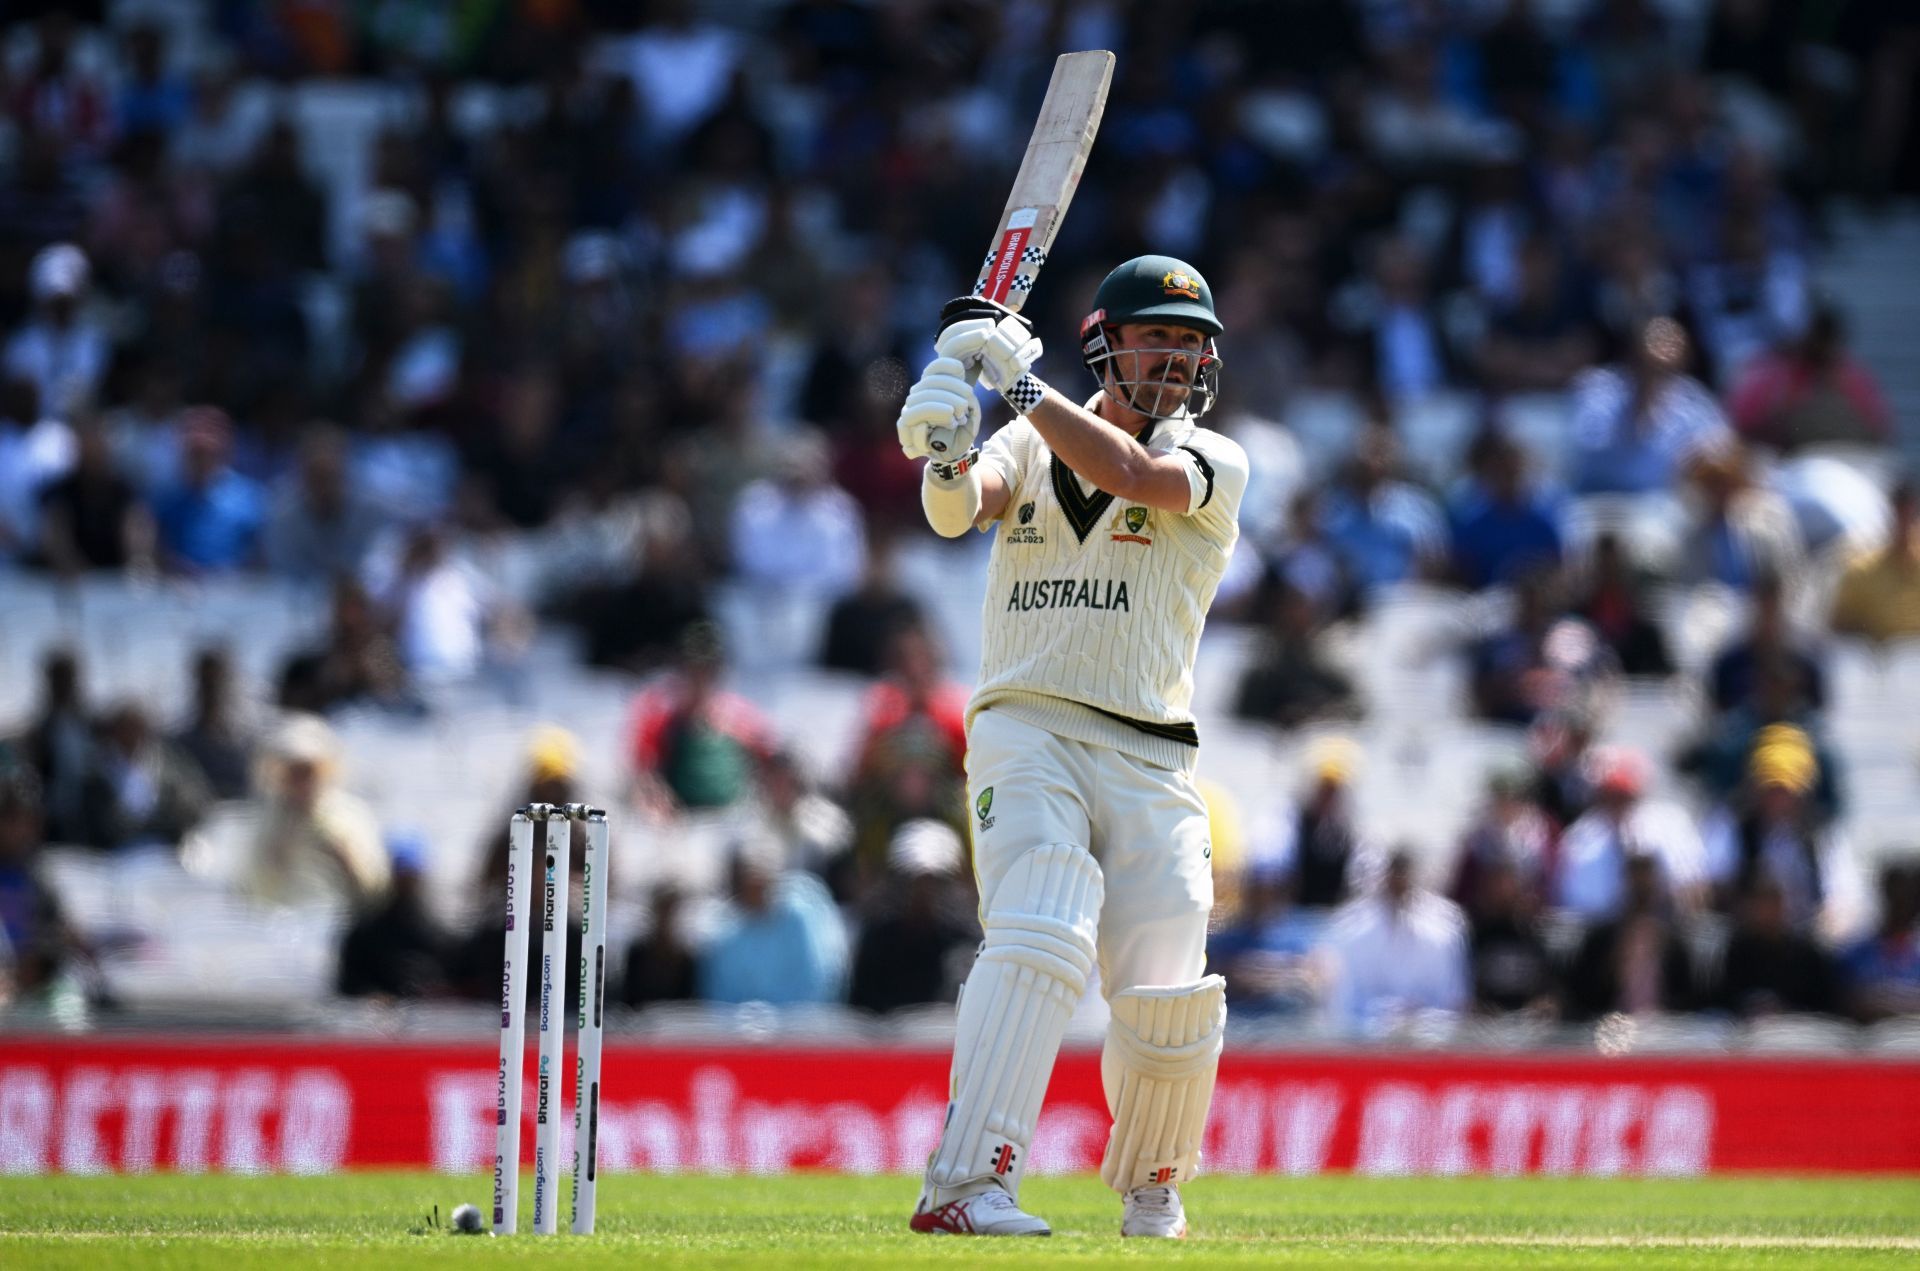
963	340
941	416
1004	350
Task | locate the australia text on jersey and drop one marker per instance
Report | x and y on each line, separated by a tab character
1069	593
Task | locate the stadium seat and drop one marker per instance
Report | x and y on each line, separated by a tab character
930	1025
1800	1034
685	1021
1541	425
1507	1033
1897	1036
1706	936
1663	1034
1435	431
1327	425
1249	1028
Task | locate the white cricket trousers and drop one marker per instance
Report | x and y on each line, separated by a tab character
1145	825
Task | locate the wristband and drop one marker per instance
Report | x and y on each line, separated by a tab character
953	470
1025	394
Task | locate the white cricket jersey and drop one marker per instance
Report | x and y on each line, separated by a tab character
1095	605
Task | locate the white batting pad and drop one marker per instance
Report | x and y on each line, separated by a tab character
1162	1051
1032	969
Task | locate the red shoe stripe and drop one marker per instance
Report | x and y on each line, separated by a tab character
948	1219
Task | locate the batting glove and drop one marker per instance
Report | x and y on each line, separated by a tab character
979	333
941	416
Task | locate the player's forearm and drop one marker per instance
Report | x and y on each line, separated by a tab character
1090	446
951	506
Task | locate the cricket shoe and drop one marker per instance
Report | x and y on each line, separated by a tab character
1154	1211
987	1213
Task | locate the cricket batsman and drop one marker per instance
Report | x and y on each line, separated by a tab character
1113	521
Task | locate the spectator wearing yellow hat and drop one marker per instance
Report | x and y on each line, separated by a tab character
1313	840
552	761
1771	832
1721	758
553	756
551	765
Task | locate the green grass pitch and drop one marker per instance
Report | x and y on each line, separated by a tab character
383	1220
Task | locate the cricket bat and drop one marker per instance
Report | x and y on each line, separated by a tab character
1049	173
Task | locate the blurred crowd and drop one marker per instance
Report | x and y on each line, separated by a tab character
349	296
1575	893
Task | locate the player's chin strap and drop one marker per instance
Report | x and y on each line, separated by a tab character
1163	1049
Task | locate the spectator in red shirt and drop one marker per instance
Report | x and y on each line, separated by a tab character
695	745
1810	391
914	696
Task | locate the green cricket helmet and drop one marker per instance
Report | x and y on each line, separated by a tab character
1152	289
